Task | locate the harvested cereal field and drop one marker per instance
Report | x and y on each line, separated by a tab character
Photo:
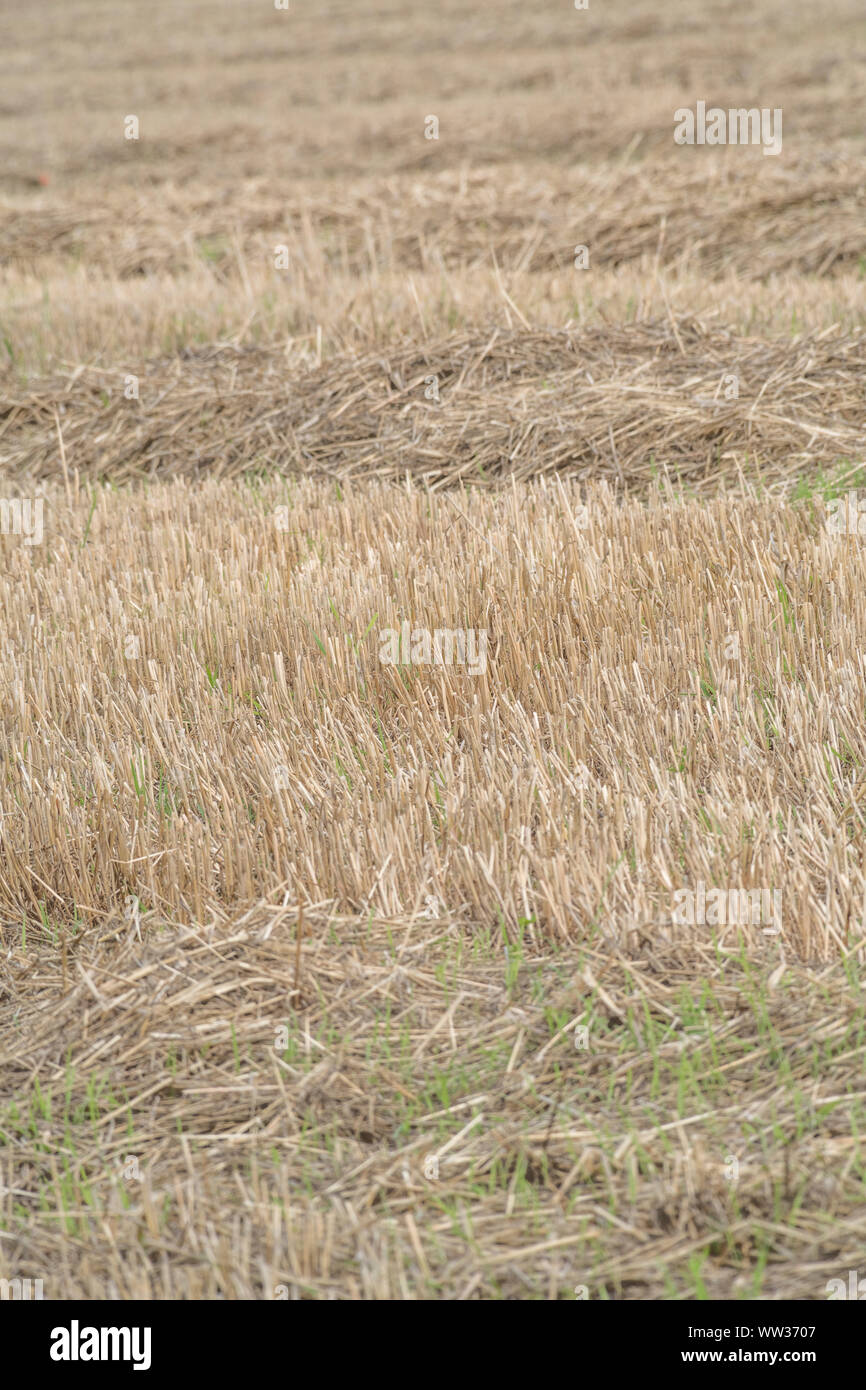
433	766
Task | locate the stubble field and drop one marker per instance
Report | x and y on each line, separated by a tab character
329	976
